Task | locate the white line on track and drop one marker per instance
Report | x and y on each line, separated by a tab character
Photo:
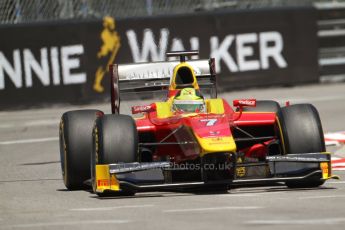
240	195
111	208
66	223
30	124
321	197
254	194
6	126
336	182
42	122
326	221
27	141
208	209
251	194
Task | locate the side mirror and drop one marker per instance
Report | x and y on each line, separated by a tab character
244	102
143	108
240	103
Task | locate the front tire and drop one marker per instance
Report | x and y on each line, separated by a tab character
115	140
302	133
302	129
75	137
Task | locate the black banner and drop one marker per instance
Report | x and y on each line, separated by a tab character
67	62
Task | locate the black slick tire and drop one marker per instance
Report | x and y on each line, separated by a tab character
303	133
75	138
115	140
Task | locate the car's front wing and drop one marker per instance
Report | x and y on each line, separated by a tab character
155	176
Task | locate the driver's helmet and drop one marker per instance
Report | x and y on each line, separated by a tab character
189	100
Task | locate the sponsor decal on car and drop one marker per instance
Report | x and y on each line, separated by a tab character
240	171
103	182
324	168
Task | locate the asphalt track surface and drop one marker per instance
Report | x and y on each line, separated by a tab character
32	194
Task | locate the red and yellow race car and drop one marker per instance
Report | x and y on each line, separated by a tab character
189	140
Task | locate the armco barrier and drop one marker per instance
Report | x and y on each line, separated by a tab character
66	62
331	36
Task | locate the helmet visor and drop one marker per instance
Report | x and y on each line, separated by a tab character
188	106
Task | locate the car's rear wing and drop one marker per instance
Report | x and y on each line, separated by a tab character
154	76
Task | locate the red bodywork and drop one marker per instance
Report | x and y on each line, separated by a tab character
160	130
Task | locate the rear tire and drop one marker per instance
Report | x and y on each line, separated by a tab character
75	134
302	132
115	140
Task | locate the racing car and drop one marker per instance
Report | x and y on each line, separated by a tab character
189	139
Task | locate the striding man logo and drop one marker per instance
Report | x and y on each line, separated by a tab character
108	51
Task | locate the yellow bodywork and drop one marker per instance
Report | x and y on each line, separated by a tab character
215	106
163	109
326	169
216	145
183	64
105	181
